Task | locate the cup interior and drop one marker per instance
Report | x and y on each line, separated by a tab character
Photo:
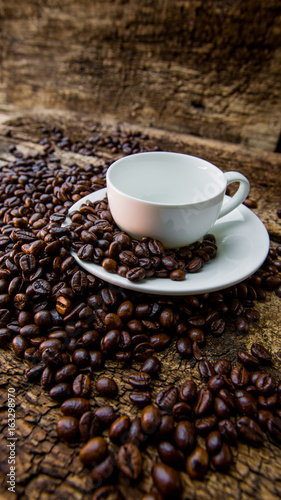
166	178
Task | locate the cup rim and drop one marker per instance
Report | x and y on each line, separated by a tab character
125	159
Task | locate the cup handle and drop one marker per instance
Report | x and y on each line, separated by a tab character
240	195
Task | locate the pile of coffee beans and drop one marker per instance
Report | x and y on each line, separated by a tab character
97	239
68	327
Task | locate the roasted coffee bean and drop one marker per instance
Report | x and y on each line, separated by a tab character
41	287
52	357
268	402
51	343
167	480
107	387
263	417
68	429
136	274
188	391
197	463
113	322
5	317
27	263
248	360
274	428
5	336
195	265
63	305
184	347
196	335
255	375
32	355
134	326
217	327
126	310
150	419
66	373
109	343
94	451
90	339
222	366
182	411
80	357
140	398
252	314
108	492
20	344
125	340
43	318
35	372
213	442
206	369
242	325
143	351
151	366
79	282
239	376
135	434
75	407
205	425
130	460
203	403
96	360
123	356
139	338
152	327
106	414
31	330
160	341
250	431
177	275
228	398
167	397
265	384
170	455
228	432
25	318
104	472
89	425
109	265
246	403
128	258
223	459
47	377
118	430
260	352
221	409
216	382
61	392
139	380
81	385
185	436
272	282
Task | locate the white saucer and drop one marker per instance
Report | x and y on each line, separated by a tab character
243	244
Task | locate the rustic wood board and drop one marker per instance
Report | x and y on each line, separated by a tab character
206	67
48	469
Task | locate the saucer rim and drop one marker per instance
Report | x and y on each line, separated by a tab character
165	286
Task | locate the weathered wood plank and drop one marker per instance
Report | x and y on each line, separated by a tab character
208	68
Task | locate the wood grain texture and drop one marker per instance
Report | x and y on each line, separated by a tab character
48	469
209	68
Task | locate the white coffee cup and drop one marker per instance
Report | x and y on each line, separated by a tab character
171	197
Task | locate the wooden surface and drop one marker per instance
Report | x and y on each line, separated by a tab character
205	67
46	468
